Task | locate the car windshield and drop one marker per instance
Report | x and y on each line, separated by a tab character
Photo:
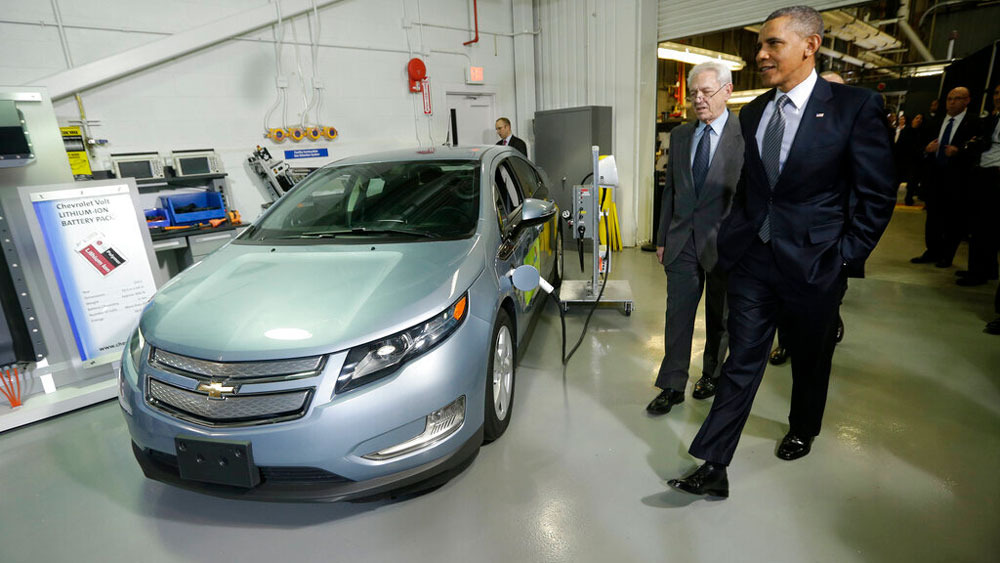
416	200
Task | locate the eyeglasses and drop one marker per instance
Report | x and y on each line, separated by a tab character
705	95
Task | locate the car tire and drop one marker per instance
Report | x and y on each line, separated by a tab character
499	398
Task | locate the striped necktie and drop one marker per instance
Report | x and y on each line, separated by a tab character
699	168
771	157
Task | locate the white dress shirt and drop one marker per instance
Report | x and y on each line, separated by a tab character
798	97
717	125
944	124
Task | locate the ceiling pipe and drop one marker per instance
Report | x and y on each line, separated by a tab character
933	8
903	16
475	16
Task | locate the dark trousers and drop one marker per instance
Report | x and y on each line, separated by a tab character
984	239
758	295
685	281
783	325
947	216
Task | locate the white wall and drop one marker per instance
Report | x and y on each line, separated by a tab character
603	52
218	97
599	52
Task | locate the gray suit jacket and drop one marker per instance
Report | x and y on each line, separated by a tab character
682	212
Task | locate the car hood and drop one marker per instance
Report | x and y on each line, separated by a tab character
255	302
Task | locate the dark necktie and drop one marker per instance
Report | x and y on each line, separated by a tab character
699	168
945	139
771	156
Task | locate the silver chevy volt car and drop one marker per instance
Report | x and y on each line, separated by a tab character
359	338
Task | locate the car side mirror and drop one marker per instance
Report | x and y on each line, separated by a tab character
536	212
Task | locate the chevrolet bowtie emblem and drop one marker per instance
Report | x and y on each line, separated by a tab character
216	389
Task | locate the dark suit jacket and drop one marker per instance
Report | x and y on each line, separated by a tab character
840	149
516	143
683	212
909	146
984	140
956	168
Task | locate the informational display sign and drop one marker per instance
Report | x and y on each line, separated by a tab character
306	153
96	249
76	151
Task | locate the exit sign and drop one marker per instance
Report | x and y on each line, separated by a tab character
475	75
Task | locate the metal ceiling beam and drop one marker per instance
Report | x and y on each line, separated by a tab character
849	28
68	82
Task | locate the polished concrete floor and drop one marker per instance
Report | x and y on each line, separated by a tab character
906	468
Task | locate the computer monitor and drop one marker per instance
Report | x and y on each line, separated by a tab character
15	143
138	165
196	162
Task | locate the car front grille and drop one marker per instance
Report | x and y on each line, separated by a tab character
265	370
252	408
216	399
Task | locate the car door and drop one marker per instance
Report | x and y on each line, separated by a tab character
532	185
517	247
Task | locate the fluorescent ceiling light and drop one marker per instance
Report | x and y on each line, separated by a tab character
694	55
929	70
746	96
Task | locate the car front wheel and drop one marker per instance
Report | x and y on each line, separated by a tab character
500	378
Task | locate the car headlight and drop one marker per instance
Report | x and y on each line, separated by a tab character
136	344
377	359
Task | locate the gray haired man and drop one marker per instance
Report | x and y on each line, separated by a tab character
703	168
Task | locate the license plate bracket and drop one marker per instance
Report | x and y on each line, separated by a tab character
223	462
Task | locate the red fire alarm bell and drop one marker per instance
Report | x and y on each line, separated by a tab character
417	71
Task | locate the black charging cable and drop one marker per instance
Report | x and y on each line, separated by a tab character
593	307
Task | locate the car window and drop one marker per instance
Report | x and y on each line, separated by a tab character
526	176
408	200
510	193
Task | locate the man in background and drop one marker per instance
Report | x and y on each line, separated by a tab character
703	168
909	150
950	161
508	139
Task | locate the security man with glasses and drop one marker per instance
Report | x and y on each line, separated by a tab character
703	168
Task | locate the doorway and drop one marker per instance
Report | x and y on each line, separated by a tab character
474	119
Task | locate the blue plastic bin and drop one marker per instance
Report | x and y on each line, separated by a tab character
158	212
210	200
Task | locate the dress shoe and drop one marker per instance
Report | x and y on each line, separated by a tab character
970	281
923	259
709	479
665	401
993	327
794	446
942	264
704	388
779	355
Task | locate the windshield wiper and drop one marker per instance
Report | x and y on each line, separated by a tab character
367	232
